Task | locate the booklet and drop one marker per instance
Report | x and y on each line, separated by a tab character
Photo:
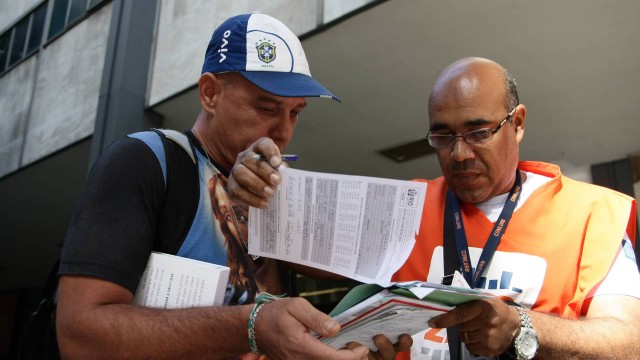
171	282
359	227
404	308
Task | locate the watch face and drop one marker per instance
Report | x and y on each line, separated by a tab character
526	343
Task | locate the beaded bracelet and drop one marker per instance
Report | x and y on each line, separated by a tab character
261	300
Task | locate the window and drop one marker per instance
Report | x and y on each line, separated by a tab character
37	25
93	3
5	39
19	40
23	38
26	36
68	12
77	9
58	17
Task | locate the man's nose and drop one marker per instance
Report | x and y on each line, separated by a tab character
461	150
283	129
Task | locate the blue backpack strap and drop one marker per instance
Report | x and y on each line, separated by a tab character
154	142
181	139
182	191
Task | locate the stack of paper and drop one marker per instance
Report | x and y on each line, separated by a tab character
404	308
171	282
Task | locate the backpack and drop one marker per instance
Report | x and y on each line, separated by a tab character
38	340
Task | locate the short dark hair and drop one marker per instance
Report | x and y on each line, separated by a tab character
511	88
227	78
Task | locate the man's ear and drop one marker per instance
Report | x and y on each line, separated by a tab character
519	118
209	88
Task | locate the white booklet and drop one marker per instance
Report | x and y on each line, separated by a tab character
356	226
171	282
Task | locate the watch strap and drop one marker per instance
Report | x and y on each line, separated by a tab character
525	320
526	331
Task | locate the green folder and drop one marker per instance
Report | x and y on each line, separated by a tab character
441	294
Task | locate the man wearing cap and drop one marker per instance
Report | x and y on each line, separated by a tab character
520	230
252	89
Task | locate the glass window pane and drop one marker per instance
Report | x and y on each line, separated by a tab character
93	3
37	25
4	49
58	17
19	41
78	8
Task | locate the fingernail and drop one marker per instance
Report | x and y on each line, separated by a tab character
432	322
268	190
329	325
275	178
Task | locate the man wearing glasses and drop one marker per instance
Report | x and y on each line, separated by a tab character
560	249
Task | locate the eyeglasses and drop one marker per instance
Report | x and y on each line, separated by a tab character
474	137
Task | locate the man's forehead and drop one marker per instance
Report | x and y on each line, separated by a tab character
459	115
472	104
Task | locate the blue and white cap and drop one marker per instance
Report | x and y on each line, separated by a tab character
266	53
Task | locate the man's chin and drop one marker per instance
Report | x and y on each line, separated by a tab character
472	196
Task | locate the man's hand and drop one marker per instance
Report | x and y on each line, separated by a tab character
283	331
487	327
386	349
251	181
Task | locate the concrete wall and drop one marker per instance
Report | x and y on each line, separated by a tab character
67	88
16	89
49	101
13	10
333	9
185	27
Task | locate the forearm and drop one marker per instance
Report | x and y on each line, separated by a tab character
119	331
587	338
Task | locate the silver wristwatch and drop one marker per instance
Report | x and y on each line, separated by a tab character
526	343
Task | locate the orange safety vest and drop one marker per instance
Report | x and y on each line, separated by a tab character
557	249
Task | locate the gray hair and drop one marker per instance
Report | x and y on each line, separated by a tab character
512	99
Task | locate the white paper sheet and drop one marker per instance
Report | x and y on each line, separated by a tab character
385	314
174	282
359	227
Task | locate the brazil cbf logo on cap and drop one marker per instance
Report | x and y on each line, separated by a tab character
266	50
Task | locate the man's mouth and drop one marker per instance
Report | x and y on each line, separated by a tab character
465	178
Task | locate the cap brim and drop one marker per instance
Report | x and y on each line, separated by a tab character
288	84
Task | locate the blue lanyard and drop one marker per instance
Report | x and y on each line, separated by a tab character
473	277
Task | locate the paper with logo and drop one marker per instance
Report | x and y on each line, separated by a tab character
359	227
404	308
171	282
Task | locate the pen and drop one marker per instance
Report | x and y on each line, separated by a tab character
284	157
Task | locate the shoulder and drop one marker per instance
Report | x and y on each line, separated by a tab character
602	207
131	148
594	193
126	163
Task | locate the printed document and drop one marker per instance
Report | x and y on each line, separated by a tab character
171	282
405	308
356	226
